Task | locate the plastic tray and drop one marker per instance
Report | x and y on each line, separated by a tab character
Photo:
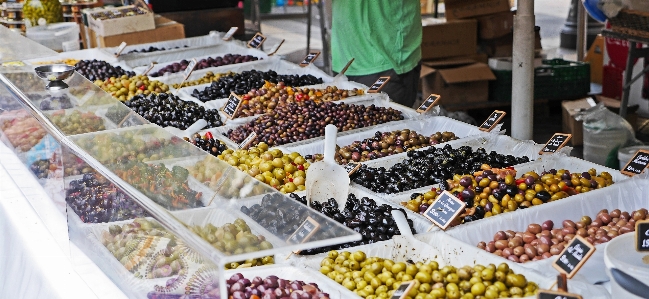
449	251
87	54
628	195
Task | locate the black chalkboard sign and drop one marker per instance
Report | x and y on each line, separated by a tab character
232	105
492	120
308	228
637	164
378	85
228	35
574	256
545	294
256	41
642	235
310	58
444	209
403	290
430	102
557	141
352	167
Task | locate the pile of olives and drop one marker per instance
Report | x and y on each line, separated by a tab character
430	166
385	144
494	191
154	49
43	168
541	241
266	99
227	59
23	132
371	277
207	143
77	122
94	199
125	87
168	110
118	13
375	223
284	172
95	70
112	148
208	78
241	83
55	102
304	120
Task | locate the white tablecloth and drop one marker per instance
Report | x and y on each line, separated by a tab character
34	250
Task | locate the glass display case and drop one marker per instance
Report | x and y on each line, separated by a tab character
159	216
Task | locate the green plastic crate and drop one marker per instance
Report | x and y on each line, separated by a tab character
557	79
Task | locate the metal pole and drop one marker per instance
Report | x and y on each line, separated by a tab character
324	33
581	31
523	72
308	28
628	73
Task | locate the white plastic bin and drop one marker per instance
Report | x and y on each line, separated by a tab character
625	154
620	254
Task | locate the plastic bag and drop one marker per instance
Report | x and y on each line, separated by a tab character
604	133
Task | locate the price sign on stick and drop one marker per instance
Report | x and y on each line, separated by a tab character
151	66
256	41
574	256
346	67
492	120
378	85
352	167
308	228
430	102
276	48
642	235
444	209
120	49
228	35
555	143
637	164
190	68
546	294
248	140
403	290
310	58
232	105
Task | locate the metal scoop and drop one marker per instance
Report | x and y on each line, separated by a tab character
327	179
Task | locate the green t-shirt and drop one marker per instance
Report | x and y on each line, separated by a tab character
379	34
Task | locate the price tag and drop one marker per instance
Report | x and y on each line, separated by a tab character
403	290
492	120
637	164
256	41
310	58
555	143
276	48
149	68
545	294
121	48
232	106
228	35
190	68
346	67
430	102
352	167
308	228
131	120
574	256
248	140
444	209
642	235
378	85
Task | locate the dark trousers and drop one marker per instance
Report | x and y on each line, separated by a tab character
401	88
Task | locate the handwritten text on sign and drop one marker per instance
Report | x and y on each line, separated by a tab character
431	101
403	290
492	120
310	58
256	41
232	105
352	167
642	235
444	209
574	256
308	228
555	143
378	85
637	164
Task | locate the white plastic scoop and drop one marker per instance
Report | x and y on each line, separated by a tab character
326	179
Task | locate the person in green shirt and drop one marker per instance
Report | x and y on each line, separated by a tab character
384	38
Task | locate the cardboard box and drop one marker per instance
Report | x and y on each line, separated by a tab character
595	57
116	26
569	123
495	25
457	83
462	9
443	39
503	46
165	30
